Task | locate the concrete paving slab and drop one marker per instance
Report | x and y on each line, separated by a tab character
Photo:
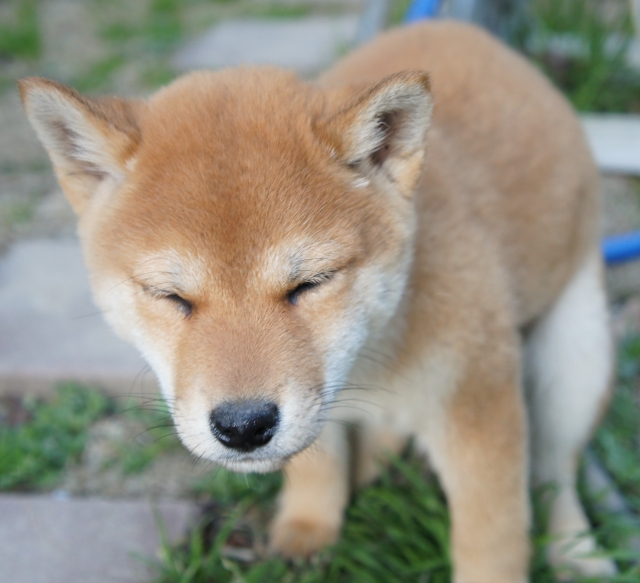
615	141
50	329
84	540
305	45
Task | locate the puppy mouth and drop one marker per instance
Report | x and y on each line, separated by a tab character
248	464
260	461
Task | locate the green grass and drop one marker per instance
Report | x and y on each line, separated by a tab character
619	449
618	440
160	32
164	27
100	74
281	11
21	37
598	79
34	454
157	75
617	444
397	11
119	31
396	531
17	212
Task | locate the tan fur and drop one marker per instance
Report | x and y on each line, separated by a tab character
231	188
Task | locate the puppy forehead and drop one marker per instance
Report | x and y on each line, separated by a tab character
301	258
274	266
172	269
229	169
231	113
229	220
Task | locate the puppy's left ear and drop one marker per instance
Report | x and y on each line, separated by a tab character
382	132
89	140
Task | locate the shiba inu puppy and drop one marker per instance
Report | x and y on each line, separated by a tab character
272	246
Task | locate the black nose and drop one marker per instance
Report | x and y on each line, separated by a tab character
244	425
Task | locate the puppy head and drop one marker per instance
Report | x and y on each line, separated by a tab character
248	233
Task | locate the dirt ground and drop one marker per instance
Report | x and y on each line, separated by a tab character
171	474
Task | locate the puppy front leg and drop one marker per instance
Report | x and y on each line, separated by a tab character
480	455
314	497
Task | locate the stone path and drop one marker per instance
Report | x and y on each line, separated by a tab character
44	540
50	329
615	141
306	45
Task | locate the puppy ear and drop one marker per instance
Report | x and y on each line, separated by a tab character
382	132
89	141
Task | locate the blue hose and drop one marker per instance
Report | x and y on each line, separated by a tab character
621	248
420	9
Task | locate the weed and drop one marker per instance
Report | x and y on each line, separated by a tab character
34	454
100	74
281	11
228	488
157	75
396	531
397	11
617	443
21	39
17	212
118	32
158	437
164	27
584	53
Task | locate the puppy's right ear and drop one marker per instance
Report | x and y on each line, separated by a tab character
382	132
90	141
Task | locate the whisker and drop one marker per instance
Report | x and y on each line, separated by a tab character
89	315
170	434
149	429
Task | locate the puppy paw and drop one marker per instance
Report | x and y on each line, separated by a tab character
570	559
300	538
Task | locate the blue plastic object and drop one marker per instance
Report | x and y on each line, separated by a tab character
621	248
420	9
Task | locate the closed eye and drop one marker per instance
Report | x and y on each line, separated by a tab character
293	295
183	305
